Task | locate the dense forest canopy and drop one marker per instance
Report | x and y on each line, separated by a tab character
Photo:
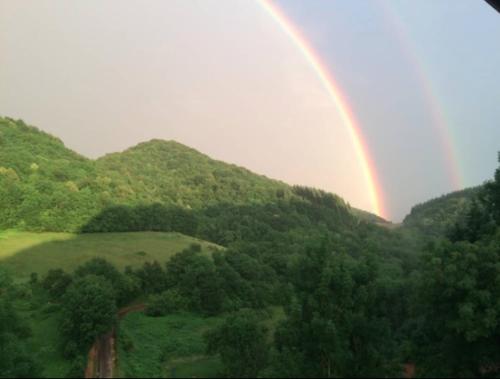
438	215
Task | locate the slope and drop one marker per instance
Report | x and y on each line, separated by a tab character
435	217
45	186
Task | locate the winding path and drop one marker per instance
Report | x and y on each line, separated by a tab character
102	354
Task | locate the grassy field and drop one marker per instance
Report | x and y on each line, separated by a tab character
172	346
23	253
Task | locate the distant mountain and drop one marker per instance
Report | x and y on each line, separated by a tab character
46	186
435	217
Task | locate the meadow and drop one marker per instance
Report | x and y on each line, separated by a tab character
22	253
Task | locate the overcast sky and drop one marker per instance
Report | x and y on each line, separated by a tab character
222	77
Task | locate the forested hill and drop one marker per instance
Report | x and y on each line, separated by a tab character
167	171
46	186
358	300
435	217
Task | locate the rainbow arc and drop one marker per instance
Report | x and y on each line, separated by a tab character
346	114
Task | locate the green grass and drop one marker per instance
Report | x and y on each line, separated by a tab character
23	253
165	346
173	346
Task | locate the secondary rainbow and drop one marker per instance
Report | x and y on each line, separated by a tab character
439	119
333	90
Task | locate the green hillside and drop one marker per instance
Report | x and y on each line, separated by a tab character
357	297
168	172
435	217
46	187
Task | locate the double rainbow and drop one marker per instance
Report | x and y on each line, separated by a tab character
347	116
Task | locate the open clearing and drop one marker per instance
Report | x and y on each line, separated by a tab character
22	253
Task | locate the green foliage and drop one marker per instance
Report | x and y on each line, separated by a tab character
335	326
17	360
23	253
169	346
459	324
89	310
167	302
359	299
437	216
195	277
124	292
241	343
152	277
457	313
56	282
45	186
475	222
492	197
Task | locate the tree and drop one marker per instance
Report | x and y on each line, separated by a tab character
101	267
475	223
89	310
152	277
196	278
493	194
459	326
334	327
16	358
56	281
241	343
168	302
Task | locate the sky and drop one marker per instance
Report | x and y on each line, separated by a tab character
420	78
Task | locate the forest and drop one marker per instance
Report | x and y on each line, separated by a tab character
297	283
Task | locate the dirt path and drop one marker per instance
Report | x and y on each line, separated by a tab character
102	354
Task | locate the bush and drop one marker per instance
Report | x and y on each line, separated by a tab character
89	310
168	302
56	282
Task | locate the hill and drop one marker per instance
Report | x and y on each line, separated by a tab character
169	172
45	186
435	217
356	299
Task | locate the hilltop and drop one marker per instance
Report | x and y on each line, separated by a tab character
167	171
47	187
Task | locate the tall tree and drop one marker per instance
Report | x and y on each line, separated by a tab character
242	345
89	310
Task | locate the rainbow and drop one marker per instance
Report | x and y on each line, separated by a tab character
338	99
438	117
